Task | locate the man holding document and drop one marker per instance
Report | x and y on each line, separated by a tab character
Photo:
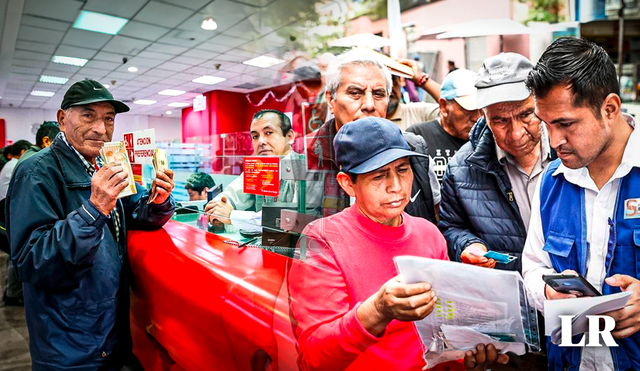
585	216
67	223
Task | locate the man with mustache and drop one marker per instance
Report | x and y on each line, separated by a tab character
271	135
488	186
68	234
586	210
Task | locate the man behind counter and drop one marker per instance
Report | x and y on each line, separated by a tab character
271	135
197	186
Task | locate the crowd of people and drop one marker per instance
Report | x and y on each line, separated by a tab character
536	160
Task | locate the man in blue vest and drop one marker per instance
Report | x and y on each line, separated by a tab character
585	210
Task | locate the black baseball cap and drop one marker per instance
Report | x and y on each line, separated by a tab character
368	144
90	91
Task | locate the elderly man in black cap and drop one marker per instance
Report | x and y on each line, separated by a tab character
67	230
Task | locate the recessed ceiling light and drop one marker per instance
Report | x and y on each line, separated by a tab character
179	104
209	24
42	93
172	92
53	79
168	112
209	80
132	69
145	102
263	61
69	60
98	22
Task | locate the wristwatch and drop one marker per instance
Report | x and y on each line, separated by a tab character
423	79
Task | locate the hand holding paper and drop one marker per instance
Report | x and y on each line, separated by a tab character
627	318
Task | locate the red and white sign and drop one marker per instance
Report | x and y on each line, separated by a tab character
140	146
262	176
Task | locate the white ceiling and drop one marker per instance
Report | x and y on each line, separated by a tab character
163	39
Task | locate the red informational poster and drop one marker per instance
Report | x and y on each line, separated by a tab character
262	176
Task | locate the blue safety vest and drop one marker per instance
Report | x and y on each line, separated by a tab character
564	225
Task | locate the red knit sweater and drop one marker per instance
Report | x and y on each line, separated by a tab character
348	258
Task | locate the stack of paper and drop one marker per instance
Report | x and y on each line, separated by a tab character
580	308
115	152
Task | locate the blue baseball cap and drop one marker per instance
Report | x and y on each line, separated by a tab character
368	144
460	86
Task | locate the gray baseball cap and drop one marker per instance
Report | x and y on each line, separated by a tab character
501	79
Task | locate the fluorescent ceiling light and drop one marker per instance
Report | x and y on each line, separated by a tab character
132	69
69	60
42	93
209	80
263	61
209	24
53	79
98	22
172	92
168	112
179	104
145	102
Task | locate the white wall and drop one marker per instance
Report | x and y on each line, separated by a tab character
19	122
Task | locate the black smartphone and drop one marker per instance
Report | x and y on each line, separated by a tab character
570	284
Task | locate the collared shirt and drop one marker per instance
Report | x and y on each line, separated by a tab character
599	207
523	185
412	113
91	170
5	177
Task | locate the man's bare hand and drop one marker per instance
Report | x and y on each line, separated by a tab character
163	185
627	318
482	356
219	210
468	257
399	301
106	184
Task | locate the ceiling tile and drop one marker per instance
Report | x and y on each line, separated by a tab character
124	76
23	54
184	38
35	46
140	63
197	53
124	9
64	10
187	60
125	45
92	73
72	51
222	58
172	66
156	56
109	57
30	63
246	30
86	39
223	39
169	15
29	20
26	70
160	73
148	78
62	67
137	84
213	47
143	31
191	4
187	77
167	49
37	34
102	65
243	55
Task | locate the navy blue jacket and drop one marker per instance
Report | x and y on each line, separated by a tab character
75	275
477	203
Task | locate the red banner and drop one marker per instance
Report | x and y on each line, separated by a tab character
262	176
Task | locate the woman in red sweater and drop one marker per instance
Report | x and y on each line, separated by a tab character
352	311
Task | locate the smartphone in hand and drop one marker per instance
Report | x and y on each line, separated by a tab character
570	284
